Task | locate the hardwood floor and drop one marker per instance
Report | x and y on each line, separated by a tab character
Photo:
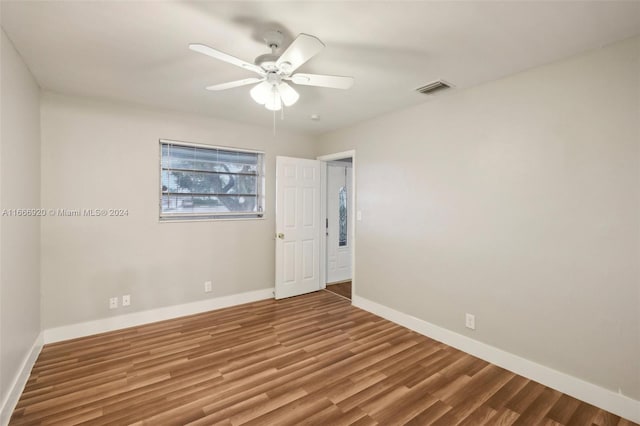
311	359
341	289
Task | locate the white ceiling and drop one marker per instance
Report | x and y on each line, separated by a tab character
137	51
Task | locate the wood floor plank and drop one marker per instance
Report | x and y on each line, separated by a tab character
479	416
503	417
563	409
292	413
537	410
480	388
408	407
312	359
604	418
525	397
430	414
500	398
584	415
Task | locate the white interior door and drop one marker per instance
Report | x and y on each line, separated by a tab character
339	225
298	230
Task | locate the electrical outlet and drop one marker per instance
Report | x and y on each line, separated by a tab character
470	321
113	303
126	300
208	287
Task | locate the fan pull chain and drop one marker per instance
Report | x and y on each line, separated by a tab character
274	123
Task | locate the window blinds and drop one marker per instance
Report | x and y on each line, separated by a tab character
208	182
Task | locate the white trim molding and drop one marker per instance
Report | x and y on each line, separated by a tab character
20	380
88	328
606	399
352	217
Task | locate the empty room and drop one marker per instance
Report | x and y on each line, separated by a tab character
320	212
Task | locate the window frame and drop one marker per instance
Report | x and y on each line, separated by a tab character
213	216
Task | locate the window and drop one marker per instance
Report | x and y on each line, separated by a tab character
342	216
202	182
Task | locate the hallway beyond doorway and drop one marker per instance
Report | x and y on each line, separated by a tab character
341	289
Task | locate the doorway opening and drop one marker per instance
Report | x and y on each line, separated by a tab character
338	205
341	289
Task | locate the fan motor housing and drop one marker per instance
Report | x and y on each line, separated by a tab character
267	62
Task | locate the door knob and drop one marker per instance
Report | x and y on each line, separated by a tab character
281	236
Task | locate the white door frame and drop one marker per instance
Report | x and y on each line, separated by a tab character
352	215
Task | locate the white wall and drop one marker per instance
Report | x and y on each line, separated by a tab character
517	201
19	236
97	154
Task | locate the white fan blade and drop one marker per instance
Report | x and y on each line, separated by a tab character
232	84
331	81
303	48
210	51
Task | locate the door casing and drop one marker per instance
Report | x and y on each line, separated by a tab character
353	214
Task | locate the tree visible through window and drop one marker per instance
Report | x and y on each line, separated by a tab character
210	182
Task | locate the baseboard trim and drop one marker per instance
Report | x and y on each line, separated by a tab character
153	315
19	382
618	404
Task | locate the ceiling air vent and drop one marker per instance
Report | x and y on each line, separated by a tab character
432	87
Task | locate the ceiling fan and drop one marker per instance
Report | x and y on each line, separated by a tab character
275	71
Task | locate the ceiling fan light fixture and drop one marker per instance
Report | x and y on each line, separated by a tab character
261	92
274	103
288	94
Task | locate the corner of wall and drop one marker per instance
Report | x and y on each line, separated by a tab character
12	396
20	265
